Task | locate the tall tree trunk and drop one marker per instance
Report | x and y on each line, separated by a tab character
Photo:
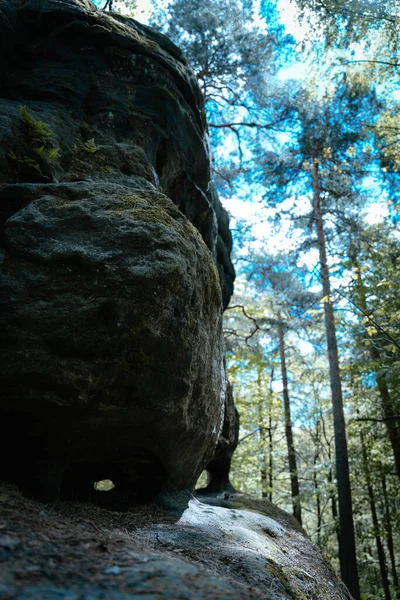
334	506
263	470
288	427
393	430
331	487
389	532
263	440
347	548
388	406
375	523
270	440
316	486
368	551
270	455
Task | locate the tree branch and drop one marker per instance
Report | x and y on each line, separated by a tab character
382	420
383	331
248	435
377	62
245	124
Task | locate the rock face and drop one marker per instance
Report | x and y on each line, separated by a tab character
220	465
111	241
240	548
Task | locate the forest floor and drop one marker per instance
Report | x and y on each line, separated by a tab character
77	551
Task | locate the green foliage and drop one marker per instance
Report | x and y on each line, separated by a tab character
236	59
38	130
25	162
344	22
41	152
227	49
388	137
359	254
90	146
50	154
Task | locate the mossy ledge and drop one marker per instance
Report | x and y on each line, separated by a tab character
153	207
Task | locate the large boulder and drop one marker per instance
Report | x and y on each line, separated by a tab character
110	300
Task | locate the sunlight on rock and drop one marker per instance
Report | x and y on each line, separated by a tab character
250	531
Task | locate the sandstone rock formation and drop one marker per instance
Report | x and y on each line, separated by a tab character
220	465
110	301
236	549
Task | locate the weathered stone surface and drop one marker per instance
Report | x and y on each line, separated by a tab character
112	352
241	548
219	466
224	249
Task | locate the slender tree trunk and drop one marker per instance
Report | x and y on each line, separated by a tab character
270	452
389	531
347	548
389	411
263	441
331	486
264	478
263	470
334	506
375	523
288	428
318	501
388	406
316	487
368	551
270	439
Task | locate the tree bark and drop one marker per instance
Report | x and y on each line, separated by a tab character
270	451
263	440
270	440
334	506
294	480
389	532
316	486
375	523
368	551
347	548
331	487
388	407
393	430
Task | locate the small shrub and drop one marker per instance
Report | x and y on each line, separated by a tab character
41	153
50	154
39	131
90	146
26	161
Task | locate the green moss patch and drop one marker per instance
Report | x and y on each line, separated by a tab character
152	207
